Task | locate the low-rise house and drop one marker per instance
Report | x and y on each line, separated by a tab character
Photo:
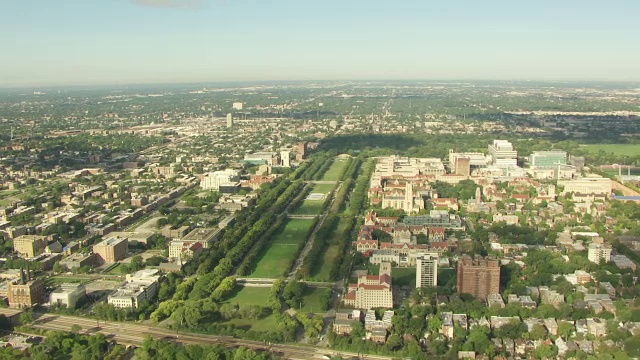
345	319
495	300
581	327
562	346
609	289
551	297
551	325
378	335
500	321
597	327
523	300
447	325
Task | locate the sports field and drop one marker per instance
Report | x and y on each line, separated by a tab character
336	169
616	149
282	249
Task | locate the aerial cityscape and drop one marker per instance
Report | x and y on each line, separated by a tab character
184	211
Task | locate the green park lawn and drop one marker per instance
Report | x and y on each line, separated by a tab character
282	250
323	188
330	254
311	301
117	270
309	207
57	280
336	169
616	149
404	276
266	324
246	296
314	207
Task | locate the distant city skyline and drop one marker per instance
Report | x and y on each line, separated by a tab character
79	42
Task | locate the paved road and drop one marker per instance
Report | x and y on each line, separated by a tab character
134	334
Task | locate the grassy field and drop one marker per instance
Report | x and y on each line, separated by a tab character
330	254
323	188
57	280
117	270
314	207
284	247
336	169
309	207
266	324
244	295
404	276
311	300
616	149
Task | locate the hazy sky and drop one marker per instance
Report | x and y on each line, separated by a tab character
58	42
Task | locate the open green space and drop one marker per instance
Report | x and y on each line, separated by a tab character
266	324
282	249
404	276
57	280
245	296
118	270
314	207
312	299
616	149
309	207
332	252
323	188
336	169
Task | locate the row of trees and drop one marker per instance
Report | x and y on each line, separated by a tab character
153	349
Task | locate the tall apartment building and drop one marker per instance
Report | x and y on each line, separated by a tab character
29	245
237	106
301	150
285	158
478	277
427	270
111	249
371	291
599	252
463	166
229	120
502	154
25	292
547	159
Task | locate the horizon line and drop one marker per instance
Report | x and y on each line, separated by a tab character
356	80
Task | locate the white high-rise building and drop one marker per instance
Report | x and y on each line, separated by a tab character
502	154
427	270
237	106
229	120
285	158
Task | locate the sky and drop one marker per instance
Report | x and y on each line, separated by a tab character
83	42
